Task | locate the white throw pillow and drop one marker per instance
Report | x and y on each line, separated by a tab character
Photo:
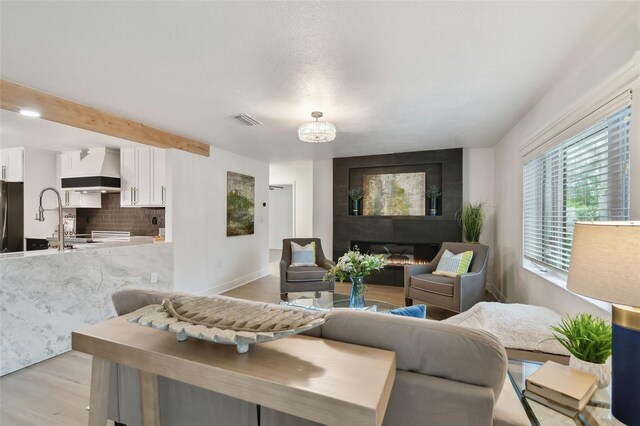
303	255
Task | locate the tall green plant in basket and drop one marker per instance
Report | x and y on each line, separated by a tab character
471	216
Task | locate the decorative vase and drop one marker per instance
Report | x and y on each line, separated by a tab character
356	208
357	292
433	206
601	371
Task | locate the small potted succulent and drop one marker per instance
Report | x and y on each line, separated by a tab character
433	192
356	195
588	340
355	266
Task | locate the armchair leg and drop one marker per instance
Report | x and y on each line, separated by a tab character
284	296
408	302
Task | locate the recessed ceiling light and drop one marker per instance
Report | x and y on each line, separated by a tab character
30	112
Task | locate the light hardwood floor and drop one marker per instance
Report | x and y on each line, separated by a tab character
56	391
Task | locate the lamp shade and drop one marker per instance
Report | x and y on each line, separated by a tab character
605	262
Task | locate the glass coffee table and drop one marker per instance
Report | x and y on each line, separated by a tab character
326	300
597	412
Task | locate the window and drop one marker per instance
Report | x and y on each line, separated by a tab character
584	178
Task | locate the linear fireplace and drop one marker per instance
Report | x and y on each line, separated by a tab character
400	254
397	255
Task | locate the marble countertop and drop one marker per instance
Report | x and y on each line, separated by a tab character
78	247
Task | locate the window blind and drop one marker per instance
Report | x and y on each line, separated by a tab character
584	178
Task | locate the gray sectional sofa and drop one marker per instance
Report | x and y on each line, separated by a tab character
446	375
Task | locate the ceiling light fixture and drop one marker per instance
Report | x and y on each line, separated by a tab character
317	131
29	112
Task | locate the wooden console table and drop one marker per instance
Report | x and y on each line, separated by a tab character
325	381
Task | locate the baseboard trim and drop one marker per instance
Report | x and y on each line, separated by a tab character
220	288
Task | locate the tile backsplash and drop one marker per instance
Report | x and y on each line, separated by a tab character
112	217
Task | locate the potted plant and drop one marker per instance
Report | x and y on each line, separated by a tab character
356	195
355	266
471	215
433	192
588	340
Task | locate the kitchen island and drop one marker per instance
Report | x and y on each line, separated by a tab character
47	294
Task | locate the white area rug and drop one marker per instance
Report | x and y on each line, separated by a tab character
517	326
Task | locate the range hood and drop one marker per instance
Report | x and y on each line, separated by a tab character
98	171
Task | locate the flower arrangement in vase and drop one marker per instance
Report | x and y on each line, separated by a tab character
355	266
588	340
356	195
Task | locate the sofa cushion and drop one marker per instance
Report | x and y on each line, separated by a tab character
305	273
424	346
433	283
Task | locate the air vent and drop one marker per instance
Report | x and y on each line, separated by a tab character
248	120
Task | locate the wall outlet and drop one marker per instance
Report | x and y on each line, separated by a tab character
154	277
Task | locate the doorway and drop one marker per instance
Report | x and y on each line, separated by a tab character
281	216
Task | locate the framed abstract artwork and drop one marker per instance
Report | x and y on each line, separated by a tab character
241	191
394	194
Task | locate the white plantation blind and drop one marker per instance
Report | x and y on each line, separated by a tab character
584	178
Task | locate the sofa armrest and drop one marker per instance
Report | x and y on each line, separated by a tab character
129	300
325	263
469	288
283	276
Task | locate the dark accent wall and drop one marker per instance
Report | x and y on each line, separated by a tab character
112	217
442	167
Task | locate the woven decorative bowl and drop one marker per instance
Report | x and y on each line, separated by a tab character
226	320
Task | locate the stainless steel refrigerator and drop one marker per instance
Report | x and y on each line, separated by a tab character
12	216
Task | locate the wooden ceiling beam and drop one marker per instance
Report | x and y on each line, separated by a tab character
14	97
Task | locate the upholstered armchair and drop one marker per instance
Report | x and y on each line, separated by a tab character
303	278
457	294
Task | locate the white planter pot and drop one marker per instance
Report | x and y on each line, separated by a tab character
601	371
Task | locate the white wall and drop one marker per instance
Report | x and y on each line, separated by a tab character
206	261
478	185
514	282
280	215
323	204
39	173
300	174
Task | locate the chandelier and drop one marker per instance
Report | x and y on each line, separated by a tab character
316	131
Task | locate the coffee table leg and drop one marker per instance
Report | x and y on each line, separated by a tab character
150	403
99	397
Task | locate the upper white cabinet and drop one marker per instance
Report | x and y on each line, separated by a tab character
12	161
70	198
142	177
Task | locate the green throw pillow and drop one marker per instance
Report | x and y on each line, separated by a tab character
451	265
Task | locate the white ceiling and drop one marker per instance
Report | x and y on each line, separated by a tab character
392	76
18	130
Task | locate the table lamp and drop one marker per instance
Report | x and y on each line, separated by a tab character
605	265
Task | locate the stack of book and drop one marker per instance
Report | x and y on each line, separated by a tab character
561	388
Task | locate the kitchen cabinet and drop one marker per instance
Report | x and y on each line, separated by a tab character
12	161
158	177
70	198
142	177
